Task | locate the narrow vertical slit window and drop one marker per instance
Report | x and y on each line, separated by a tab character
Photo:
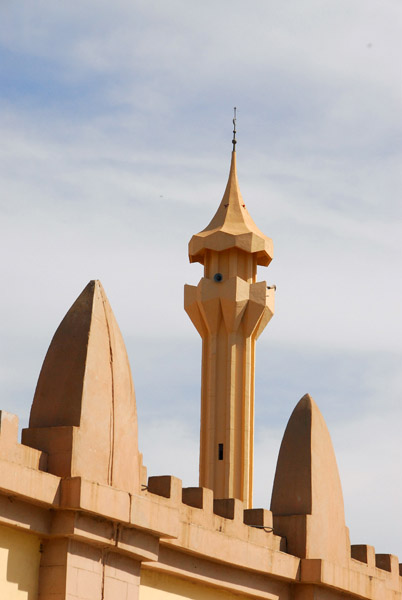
220	451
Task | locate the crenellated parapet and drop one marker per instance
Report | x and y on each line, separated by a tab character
97	535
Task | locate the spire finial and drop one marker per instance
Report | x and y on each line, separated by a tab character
234	142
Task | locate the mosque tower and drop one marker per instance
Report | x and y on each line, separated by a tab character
229	309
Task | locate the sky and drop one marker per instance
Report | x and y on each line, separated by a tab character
115	141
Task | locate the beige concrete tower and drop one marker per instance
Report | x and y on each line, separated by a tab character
230	310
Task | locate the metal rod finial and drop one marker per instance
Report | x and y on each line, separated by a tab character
234	141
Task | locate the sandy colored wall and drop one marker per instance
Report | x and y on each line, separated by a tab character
19	564
158	586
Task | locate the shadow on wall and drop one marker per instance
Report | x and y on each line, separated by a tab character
19	564
158	586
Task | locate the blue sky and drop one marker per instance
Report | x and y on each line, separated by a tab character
115	129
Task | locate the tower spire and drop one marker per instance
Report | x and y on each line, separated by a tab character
230	310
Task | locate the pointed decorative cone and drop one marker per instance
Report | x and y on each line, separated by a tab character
84	413
307	500
232	227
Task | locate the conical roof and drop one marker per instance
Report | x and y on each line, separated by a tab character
307	479
307	483
86	382
232	227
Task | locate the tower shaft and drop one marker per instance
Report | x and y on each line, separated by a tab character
229	313
226	453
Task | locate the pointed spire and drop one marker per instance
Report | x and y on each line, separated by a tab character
232	227
84	412
307	500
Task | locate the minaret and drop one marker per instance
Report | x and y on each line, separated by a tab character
230	310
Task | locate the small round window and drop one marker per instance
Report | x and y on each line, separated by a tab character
218	277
